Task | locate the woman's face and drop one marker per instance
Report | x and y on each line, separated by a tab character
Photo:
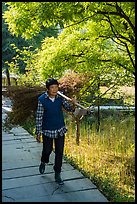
53	89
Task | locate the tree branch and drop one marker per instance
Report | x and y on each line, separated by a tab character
117	42
118	35
80	54
127	69
123	15
120	13
103	94
123	43
130	55
81	61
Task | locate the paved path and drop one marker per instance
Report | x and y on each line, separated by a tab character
21	181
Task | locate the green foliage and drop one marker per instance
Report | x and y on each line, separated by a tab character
97	39
7	38
14	47
113	21
30	125
79	52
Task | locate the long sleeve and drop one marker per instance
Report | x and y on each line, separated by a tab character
68	106
39	117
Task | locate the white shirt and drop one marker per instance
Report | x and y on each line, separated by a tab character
52	99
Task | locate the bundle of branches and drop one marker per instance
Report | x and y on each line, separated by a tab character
24	100
71	83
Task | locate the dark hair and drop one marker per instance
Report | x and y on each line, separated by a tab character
51	81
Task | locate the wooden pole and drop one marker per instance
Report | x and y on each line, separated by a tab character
98	125
77	130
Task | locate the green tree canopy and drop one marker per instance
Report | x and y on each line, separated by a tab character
97	38
14	47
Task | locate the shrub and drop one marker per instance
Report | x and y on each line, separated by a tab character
24	100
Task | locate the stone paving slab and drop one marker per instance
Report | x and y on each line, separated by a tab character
71	191
17	155
10	138
49	188
10	134
3	116
33	163
25	153
30	171
6	109
87	195
25	150
21	145
18	141
18	131
20	164
38	179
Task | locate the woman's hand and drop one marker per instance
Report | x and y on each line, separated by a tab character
38	137
74	101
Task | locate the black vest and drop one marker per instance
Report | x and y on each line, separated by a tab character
53	118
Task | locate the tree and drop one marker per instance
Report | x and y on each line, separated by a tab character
14	47
115	19
97	39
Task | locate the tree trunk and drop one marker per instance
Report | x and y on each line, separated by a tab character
8	77
77	131
98	126
16	82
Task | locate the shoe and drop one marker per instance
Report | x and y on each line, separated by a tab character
58	179
42	168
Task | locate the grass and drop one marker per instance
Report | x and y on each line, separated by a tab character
106	157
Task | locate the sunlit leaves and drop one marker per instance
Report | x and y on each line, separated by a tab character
98	37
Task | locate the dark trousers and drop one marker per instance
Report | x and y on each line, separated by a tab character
48	147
